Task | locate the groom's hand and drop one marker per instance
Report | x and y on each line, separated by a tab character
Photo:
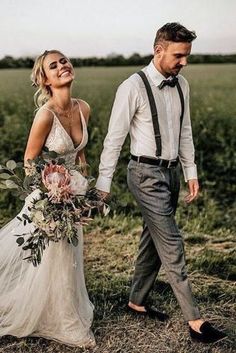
193	187
104	195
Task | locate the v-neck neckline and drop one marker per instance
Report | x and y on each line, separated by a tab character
66	132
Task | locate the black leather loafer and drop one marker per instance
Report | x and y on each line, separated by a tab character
150	312
208	334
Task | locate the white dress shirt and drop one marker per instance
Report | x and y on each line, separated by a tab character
131	114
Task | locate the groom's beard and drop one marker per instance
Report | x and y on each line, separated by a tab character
176	70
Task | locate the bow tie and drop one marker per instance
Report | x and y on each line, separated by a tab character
172	82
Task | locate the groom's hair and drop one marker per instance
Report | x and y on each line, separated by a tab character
174	32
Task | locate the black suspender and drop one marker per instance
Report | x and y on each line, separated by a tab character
181	97
155	114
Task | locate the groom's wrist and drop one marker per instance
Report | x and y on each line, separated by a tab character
103	184
190	173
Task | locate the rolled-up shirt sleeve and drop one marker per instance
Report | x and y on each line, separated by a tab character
186	150
123	110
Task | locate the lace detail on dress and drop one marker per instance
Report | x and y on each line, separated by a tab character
61	142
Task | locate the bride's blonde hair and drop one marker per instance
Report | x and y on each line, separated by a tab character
38	78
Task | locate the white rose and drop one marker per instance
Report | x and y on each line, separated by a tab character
78	183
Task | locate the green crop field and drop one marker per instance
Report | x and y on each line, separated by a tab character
110	244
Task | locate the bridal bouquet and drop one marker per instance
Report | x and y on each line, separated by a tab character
58	199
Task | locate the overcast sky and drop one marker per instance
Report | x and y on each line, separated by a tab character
101	27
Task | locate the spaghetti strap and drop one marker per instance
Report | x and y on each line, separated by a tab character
81	113
77	101
48	110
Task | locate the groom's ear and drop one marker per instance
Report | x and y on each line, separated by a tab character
160	48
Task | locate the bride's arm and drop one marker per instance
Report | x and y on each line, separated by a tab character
39	131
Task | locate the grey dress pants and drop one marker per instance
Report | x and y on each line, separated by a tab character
156	191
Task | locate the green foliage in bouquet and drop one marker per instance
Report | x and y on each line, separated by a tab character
58	200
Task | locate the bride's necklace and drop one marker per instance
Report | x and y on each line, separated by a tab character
66	113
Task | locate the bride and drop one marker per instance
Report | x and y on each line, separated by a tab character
50	300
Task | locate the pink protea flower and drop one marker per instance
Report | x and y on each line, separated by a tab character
56	179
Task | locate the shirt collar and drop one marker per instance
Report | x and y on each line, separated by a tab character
155	75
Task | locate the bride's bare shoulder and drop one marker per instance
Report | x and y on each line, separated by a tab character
44	115
43	120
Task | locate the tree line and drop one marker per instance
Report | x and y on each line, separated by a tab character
118	60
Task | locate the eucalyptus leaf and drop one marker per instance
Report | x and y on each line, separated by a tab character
5	176
3	186
11	184
28	181
52	154
39	257
61	161
20	241
26	217
11	164
74	241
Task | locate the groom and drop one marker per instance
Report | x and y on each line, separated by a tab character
153	107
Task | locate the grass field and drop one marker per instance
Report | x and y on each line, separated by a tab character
109	261
111	243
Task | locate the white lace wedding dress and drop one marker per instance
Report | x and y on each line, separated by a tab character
50	300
